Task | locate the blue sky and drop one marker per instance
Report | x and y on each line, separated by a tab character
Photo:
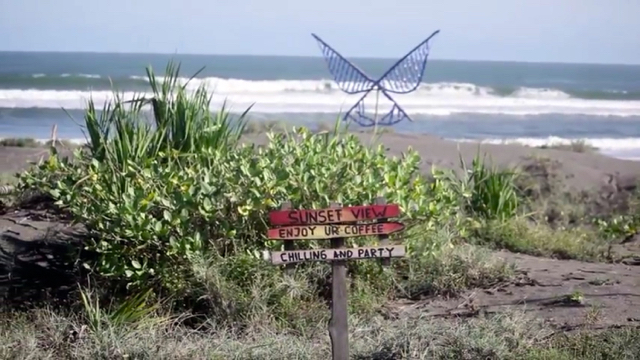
600	31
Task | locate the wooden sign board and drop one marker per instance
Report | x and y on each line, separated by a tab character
333	216
333	231
287	257
335	223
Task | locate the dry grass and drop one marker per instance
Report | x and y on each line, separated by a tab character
524	236
8	179
21	142
109	333
46	335
579	146
264	126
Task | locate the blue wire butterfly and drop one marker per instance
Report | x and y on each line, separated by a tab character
401	78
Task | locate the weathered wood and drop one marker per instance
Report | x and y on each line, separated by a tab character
288	245
305	232
384	238
338	325
372	252
333	216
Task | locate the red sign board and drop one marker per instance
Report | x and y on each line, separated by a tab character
332	216
333	231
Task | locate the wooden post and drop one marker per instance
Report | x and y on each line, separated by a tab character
288	244
384	239
338	325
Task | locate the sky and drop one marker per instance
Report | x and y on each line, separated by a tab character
587	31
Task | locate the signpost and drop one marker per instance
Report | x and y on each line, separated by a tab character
335	223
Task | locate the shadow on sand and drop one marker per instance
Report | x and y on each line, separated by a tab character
33	272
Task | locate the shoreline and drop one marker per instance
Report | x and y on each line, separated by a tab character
552	142
601	135
580	170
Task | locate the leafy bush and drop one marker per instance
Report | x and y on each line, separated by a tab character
490	193
623	222
159	195
521	235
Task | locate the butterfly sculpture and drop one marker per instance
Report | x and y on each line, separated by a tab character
401	78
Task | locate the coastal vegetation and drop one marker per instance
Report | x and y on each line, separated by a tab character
173	206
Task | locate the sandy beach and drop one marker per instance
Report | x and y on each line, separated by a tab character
578	170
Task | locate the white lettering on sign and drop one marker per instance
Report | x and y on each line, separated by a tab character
293	256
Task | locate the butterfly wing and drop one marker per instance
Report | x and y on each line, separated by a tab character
406	74
350	79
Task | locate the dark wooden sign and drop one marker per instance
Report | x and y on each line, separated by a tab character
335	223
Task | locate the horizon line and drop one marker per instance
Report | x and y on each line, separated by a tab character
315	56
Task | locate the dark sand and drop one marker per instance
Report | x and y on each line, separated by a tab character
539	289
580	171
15	159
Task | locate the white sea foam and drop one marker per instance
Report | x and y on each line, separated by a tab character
601	143
623	148
77	141
88	76
324	96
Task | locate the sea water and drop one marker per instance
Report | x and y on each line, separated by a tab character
529	103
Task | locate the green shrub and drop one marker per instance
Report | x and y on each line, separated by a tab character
524	236
489	193
453	271
20	142
158	196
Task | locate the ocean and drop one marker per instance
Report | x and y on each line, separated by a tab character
496	102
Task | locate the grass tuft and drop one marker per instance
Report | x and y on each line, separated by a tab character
578	146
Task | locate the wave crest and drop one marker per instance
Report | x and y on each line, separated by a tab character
324	96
